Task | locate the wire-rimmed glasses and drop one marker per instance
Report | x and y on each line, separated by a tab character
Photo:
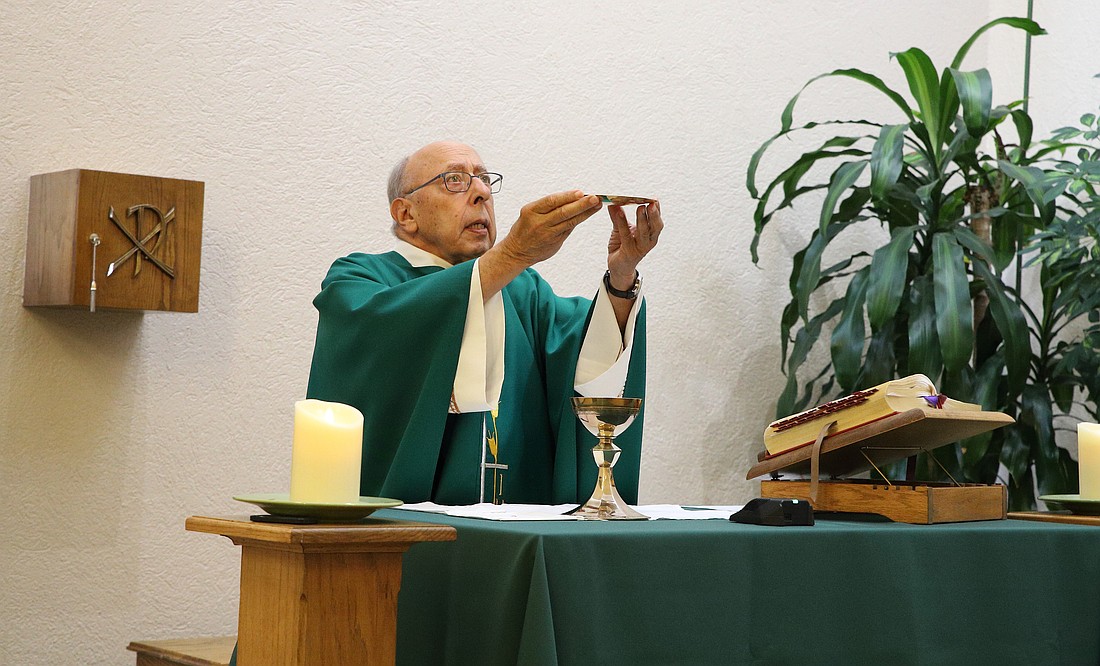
460	181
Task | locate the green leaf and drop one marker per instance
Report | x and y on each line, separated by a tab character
1036	412
1024	128
970	241
808	335
1012	326
949	108
786	323
962	146
846	346
924	84
787	119
973	450
789	179
925	195
986	383
954	316
810	274
1021	492
880	364
1057	472
754	161
1041	187
842	179
924	346
806	159
976	97
890	266
1027	25
804	341
806	270
1032	178
886	160
1015	454
1007	233
1063	395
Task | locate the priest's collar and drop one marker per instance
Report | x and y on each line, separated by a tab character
417	257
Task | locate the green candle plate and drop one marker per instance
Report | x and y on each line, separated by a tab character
1075	503
280	504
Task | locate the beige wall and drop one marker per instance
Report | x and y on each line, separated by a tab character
115	426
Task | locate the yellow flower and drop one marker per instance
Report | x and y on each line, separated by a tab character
492	439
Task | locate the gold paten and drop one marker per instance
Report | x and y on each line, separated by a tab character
616	200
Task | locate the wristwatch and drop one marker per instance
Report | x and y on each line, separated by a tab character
629	294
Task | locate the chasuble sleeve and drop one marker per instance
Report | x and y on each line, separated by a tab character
604	359
387	344
557	328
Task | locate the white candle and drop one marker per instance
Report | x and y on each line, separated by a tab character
327	454
1088	458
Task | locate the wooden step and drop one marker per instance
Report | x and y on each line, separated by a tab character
184	651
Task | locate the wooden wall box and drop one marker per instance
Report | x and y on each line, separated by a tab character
149	233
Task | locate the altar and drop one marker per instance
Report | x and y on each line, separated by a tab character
846	590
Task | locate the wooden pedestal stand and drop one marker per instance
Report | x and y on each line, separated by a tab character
879	443
319	594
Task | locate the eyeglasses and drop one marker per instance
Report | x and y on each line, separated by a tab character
460	181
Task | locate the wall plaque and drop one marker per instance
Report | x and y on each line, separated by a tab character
97	239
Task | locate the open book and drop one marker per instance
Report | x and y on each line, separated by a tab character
858	409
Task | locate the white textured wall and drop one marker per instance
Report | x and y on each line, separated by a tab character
116	426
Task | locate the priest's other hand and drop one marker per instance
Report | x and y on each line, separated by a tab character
545	223
538	234
629	245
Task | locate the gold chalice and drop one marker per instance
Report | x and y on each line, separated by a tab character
606	418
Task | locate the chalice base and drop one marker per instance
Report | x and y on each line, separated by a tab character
605	503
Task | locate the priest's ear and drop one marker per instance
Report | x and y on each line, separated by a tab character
402	214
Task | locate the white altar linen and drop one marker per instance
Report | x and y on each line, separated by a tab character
504	512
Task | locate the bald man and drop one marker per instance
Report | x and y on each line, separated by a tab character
452	335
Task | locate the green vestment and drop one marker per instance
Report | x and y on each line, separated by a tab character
388	339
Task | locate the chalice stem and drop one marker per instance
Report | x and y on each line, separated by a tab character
606	503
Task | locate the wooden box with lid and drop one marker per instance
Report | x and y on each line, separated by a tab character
114	241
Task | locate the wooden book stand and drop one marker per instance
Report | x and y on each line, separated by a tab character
879	443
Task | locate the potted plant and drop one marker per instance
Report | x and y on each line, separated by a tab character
954	186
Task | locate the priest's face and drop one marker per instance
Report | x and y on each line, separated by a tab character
457	226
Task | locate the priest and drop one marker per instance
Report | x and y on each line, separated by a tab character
452	338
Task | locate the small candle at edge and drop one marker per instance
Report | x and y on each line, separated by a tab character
1088	459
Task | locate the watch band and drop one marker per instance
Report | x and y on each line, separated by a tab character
629	294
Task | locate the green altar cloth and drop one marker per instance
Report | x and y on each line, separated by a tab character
712	592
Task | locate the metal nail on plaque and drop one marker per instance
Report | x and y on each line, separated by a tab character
94	240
